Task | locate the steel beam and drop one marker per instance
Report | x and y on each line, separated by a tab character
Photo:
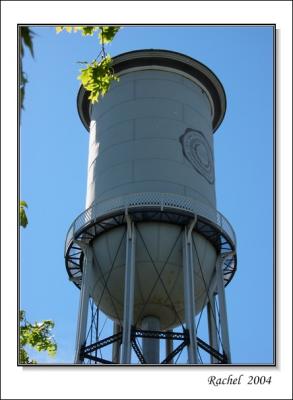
189	297
212	326
84	300
169	347
128	292
222	305
116	345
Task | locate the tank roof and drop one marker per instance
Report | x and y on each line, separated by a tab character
166	59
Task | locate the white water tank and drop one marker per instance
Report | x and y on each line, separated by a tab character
151	155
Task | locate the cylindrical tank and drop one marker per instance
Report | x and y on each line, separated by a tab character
152	135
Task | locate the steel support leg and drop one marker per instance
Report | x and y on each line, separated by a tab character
97	329
212	325
116	345
128	292
169	347
84	300
222	306
151	347
189	298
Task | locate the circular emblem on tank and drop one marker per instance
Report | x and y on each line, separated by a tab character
197	151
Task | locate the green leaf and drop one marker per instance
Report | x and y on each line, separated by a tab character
107	33
38	336
23	82
23	218
26	37
88	30
97	77
22	214
52	350
85	30
62	28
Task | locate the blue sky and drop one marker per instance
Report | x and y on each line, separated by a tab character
54	149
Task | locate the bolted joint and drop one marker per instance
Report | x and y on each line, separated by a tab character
81	353
187	336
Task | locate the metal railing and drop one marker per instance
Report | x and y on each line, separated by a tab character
149	199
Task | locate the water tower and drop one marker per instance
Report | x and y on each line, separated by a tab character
151	250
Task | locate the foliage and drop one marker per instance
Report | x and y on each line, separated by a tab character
22	214
107	33
97	76
38	336
25	40
85	30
